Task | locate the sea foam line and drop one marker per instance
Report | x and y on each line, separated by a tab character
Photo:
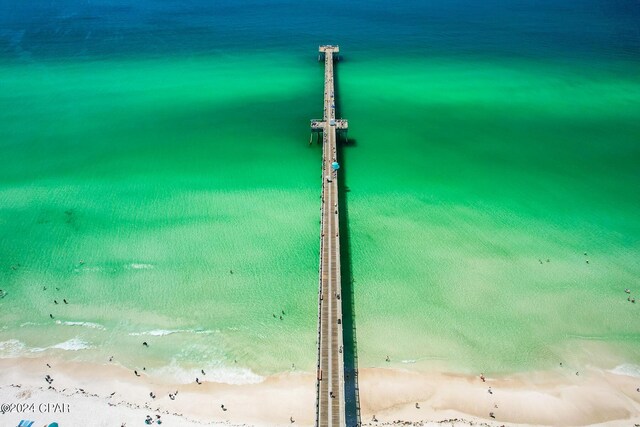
83	324
11	348
157	332
217	374
74	344
627	369
15	348
164	332
140	266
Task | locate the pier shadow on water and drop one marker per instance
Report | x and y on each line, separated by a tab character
351	390
352	397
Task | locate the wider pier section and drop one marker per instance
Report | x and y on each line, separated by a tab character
330	401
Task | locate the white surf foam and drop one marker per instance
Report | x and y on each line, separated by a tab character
74	344
83	324
163	332
11	348
90	269
15	348
30	324
140	266
224	375
157	332
627	369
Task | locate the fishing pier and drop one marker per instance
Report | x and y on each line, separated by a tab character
330	385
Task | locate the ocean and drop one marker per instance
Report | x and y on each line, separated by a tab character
156	174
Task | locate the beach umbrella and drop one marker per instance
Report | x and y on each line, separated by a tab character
335	166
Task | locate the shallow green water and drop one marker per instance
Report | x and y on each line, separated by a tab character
183	181
475	173
175	200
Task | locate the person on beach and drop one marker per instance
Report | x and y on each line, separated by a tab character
202	370
292	420
222	407
490	391
137	374
417	405
172	397
153	396
198	381
482	377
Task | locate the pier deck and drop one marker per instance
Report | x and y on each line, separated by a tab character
330	403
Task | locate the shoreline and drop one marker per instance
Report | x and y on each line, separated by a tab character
555	397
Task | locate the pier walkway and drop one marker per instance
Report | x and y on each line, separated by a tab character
330	400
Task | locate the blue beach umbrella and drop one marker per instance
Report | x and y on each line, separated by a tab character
335	166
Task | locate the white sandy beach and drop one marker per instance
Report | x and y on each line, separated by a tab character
558	398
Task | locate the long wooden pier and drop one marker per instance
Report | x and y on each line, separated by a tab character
330	400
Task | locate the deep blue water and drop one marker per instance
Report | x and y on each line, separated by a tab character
585	29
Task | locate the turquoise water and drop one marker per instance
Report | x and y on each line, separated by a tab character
157	175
